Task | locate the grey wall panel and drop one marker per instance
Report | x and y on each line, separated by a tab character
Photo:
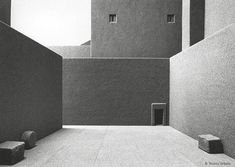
197	21
5	11
202	89
193	20
219	14
72	51
141	29
30	86
113	91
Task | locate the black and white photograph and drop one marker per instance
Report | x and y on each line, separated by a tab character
117	83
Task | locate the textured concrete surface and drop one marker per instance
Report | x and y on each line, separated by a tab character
141	30
210	144
5	11
202	89
30	86
219	14
72	51
11	152
120	147
113	91
29	138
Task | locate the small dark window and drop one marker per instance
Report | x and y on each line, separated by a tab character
170	18
158	116
112	18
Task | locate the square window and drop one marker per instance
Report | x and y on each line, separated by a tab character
112	18
170	18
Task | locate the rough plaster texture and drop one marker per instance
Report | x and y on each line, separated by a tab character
72	51
5	11
113	91
30	86
218	14
119	146
141	30
202	89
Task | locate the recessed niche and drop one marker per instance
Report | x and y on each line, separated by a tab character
158	114
112	18
170	18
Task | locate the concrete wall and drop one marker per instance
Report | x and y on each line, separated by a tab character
5	11
72	51
219	14
202	89
193	21
30	86
197	21
113	91
141	30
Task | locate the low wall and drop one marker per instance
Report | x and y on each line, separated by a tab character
30	86
202	89
72	51
113	91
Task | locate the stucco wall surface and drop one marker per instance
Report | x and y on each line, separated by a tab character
5	11
113	91
218	14
202	89
30	86
141	29
72	51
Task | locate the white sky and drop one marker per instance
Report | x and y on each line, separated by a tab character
53	22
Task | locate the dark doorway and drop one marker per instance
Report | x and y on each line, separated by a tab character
158	116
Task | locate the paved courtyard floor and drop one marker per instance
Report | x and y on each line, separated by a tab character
120	146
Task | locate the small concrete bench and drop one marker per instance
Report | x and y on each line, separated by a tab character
210	144
11	152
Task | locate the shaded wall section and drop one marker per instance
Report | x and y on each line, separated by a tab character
72	51
197	21
5	11
202	89
141	30
219	14
193	21
30	86
113	91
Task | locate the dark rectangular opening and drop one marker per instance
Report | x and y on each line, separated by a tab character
158	116
170	18
112	18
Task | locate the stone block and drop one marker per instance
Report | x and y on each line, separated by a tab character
210	144
29	138
11	152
